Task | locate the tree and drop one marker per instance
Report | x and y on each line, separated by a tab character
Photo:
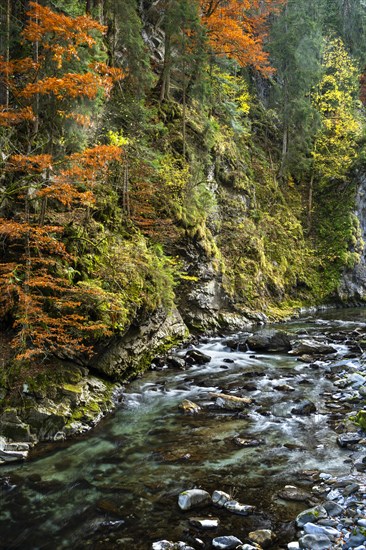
295	46
238	29
37	290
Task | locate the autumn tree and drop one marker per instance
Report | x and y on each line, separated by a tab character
238	29
38	293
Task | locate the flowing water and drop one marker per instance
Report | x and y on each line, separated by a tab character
118	486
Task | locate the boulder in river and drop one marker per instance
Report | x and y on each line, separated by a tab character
192	498
304	408
205	523
269	340
316	542
189	407
289	492
311	514
263	537
349	438
194	356
168	545
231	402
226	543
311	347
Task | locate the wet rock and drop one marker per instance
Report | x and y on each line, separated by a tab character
235	507
194	356
360	463
333	509
220	498
205	523
189	407
226	543
231	402
175	362
315	542
293	493
349	438
269	340
192	498
284	387
313	529
244	442
12	452
311	347
263	537
168	545
13	428
304	408
293	546
310	515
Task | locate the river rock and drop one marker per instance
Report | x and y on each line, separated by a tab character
315	542
304	408
263	537
311	514
189	407
168	545
195	356
269	340
349	438
311	347
333	509
226	543
192	498
220	498
313	529
205	523
293	493
235	507
175	362
231	402
244	442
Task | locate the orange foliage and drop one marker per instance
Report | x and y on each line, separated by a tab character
29	163
237	29
71	32
10	117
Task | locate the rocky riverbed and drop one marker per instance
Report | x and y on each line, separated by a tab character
262	426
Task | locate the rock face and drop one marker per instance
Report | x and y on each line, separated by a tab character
134	351
69	400
353	283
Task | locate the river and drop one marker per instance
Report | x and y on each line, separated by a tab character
118	486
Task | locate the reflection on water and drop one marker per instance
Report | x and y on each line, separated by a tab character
118	487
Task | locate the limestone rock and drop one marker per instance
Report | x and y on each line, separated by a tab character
231	402
263	537
193	498
311	347
226	543
315	542
189	407
311	514
205	523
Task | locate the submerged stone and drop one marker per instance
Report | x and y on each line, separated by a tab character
226	543
193	497
263	537
231	402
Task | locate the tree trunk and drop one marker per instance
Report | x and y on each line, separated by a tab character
310	202
5	50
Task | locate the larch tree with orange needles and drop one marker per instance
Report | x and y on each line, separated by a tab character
37	293
238	29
